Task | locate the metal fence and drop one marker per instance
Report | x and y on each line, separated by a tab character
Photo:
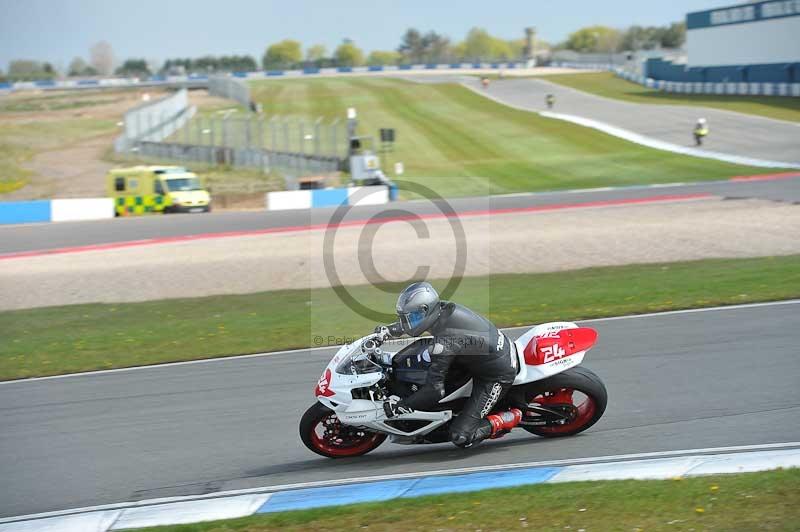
230	88
154	121
290	146
170	129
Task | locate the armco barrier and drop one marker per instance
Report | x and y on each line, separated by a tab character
327	197
57	210
199	80
696	87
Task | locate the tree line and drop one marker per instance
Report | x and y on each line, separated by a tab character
606	39
415	47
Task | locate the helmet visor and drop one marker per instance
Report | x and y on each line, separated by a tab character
410	320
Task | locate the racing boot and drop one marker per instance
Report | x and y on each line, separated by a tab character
503	422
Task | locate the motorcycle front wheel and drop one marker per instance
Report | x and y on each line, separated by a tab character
323	433
577	395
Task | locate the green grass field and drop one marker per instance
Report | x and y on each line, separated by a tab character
460	143
610	86
751	501
76	338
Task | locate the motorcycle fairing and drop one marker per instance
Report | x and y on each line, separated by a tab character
334	388
533	368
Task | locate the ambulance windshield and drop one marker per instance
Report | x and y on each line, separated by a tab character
183	184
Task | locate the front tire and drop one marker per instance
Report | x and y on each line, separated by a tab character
323	433
558	392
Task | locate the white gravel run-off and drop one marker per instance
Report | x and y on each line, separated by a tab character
508	243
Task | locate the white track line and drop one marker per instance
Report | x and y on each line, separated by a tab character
323	348
400	476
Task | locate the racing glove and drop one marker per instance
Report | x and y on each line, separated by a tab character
392	407
393	330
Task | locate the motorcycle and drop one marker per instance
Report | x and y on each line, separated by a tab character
557	397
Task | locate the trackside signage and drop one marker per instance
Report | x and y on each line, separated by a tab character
757	11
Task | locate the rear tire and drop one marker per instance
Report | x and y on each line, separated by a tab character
577	379
337	440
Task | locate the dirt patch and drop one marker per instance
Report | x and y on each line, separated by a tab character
76	171
71	163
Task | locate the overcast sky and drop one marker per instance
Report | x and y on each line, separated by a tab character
58	30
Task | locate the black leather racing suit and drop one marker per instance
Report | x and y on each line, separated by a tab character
464	337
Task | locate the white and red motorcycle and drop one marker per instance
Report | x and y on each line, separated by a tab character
556	397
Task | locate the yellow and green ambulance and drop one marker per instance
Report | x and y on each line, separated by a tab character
156	189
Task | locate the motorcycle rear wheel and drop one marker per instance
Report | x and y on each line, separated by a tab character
323	433
558	392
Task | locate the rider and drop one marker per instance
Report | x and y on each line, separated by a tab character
464	337
700	131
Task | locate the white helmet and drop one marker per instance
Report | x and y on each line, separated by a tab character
701	120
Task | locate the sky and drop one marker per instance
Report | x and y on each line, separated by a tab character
58	30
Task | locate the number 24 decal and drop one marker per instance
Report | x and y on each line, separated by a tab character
552	352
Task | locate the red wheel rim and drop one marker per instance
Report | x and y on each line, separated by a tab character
583	412
334	438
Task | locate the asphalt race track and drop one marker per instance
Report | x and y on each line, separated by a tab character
729	132
682	380
32	237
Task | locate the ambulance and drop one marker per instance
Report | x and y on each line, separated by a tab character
156	189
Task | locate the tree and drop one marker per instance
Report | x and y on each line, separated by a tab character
431	47
650	37
77	67
133	67
480	46
206	63
640	38
383	58
101	57
437	48
348	54
594	39
178	66
236	63
284	54
516	48
28	70
674	35
315	53
412	46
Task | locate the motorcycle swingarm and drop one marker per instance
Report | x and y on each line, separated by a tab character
548	415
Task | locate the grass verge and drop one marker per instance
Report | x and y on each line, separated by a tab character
75	338
475	146
767	500
610	86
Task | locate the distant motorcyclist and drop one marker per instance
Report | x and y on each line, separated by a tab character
700	131
466	338
550	100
